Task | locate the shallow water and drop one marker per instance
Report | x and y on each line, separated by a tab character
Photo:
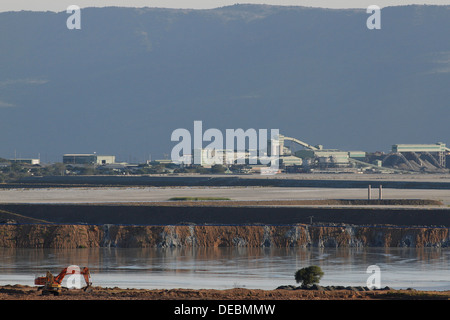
224	268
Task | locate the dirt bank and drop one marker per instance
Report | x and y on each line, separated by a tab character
19	292
94	236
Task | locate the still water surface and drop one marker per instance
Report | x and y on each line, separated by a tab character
225	268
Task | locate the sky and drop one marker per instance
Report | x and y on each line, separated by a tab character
61	5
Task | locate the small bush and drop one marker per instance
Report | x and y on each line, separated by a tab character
309	275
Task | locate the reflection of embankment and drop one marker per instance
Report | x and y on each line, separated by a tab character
201	236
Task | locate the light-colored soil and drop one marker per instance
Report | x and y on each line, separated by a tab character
116	195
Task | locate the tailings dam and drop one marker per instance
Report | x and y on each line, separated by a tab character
204	225
224	214
325	211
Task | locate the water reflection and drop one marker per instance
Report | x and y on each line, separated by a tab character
221	268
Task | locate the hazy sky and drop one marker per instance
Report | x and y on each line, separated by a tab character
61	5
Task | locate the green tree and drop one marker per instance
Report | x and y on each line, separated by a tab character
309	275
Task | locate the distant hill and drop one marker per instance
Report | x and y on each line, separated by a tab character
129	77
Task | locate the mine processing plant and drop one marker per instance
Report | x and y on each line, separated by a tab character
403	157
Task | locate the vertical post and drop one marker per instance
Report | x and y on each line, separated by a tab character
369	192
381	192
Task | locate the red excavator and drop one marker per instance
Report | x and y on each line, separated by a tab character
52	285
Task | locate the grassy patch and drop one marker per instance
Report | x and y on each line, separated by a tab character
196	198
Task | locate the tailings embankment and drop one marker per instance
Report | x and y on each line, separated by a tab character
309	181
93	236
77	226
168	214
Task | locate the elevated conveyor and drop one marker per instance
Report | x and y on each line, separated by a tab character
303	144
362	163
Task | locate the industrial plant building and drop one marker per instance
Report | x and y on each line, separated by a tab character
208	157
88	159
325	157
26	161
316	156
437	151
404	158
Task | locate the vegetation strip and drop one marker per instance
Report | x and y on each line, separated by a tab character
198	199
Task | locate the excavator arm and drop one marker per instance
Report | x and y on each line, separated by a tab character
52	283
87	277
59	278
